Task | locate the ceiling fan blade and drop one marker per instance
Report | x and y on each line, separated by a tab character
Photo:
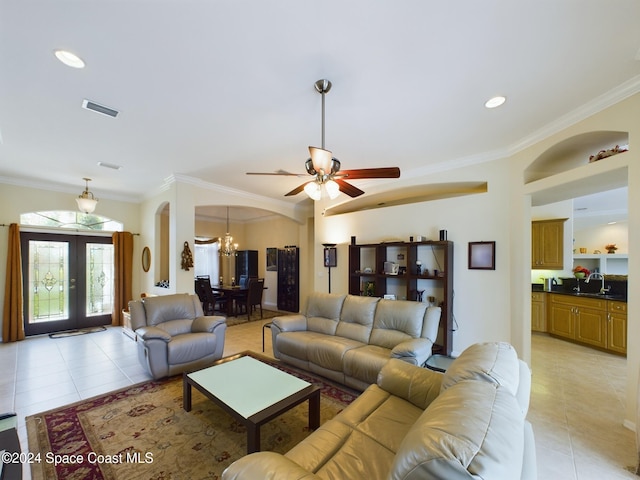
348	189
383	172
296	190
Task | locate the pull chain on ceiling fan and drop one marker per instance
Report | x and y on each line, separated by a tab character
326	169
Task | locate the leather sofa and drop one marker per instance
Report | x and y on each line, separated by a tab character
417	424
348	338
174	335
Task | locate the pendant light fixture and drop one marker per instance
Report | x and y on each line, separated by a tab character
226	247
86	201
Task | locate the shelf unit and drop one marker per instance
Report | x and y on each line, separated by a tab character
367	277
607	263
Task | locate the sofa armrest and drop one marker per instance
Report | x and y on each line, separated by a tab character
290	323
207	323
417	385
266	466
415	351
149	333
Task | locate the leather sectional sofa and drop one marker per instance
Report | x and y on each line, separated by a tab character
417	424
348	338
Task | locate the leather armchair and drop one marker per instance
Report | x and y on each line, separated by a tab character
174	335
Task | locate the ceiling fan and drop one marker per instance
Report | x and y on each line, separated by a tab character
325	169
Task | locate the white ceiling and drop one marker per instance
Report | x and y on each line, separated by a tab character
213	89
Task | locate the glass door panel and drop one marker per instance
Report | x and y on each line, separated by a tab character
68	281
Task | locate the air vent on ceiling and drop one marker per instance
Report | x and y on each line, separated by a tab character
112	166
95	107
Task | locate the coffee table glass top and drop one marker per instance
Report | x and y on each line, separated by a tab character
248	385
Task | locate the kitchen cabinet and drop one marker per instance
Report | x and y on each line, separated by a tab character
538	312
617	327
367	277
547	244
590	321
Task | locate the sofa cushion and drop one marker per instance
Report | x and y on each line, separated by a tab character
191	346
168	307
473	429
328	351
396	321
356	318
364	363
176	327
296	344
494	362
335	450
323	312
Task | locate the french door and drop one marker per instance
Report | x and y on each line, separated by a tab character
67	281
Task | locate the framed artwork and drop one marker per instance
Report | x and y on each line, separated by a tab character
482	255
272	259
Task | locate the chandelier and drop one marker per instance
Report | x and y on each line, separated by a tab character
226	247
86	201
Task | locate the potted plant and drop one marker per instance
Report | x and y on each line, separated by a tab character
580	272
611	248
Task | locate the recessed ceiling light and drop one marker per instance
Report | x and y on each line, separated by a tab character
69	59
611	223
495	102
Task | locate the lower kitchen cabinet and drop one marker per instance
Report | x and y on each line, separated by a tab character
590	321
538	312
617	326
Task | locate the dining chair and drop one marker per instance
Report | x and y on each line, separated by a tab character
209	300
254	296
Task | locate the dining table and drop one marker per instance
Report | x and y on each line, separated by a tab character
231	293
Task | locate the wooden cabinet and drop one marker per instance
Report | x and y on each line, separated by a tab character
617	326
288	279
538	312
547	244
591	321
246	264
367	277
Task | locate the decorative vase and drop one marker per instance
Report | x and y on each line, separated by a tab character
579	275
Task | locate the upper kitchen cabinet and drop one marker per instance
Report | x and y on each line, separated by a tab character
547	244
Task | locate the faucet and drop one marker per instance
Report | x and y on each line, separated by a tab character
598	276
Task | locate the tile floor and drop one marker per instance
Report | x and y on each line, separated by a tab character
577	398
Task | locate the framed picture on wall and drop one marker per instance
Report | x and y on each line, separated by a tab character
272	259
482	255
330	257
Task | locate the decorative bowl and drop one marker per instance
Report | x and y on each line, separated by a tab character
579	274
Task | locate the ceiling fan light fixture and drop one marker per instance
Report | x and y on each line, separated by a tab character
332	188
313	190
321	159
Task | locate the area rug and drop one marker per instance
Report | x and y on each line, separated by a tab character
142	432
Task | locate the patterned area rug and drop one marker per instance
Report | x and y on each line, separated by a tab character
142	432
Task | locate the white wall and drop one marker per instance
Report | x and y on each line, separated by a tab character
481	297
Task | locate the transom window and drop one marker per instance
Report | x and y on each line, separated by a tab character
70	220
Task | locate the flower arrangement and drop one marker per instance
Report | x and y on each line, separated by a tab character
611	248
581	272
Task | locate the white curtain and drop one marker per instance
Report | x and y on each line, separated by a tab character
207	261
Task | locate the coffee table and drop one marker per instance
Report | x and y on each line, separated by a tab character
251	391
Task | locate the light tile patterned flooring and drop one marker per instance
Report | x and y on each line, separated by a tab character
577	399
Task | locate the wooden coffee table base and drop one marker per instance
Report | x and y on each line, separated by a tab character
253	423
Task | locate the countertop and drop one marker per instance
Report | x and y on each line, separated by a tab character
539	287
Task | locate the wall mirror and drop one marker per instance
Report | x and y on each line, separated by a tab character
146	259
